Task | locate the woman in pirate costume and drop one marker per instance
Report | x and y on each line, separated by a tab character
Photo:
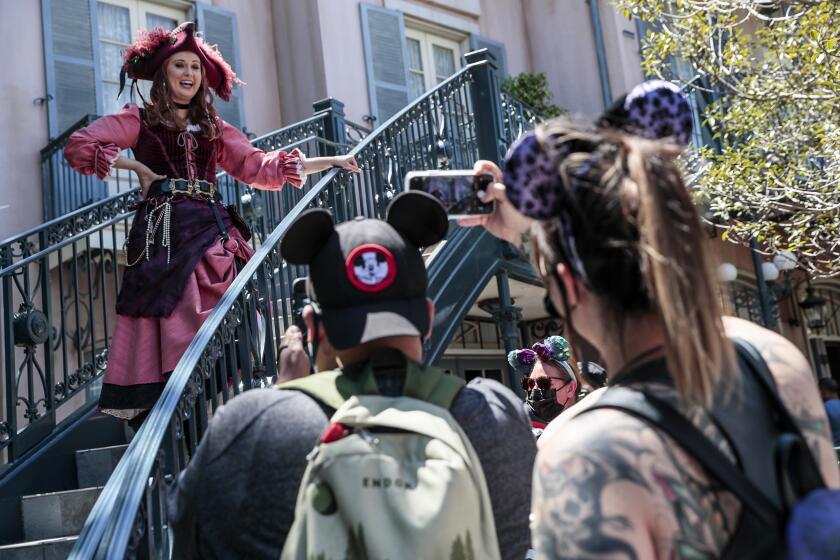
183	245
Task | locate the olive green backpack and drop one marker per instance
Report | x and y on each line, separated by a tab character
391	477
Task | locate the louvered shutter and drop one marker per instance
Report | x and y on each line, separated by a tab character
71	60
496	48
386	60
219	28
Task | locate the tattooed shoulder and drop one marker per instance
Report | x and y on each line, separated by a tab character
575	472
611	486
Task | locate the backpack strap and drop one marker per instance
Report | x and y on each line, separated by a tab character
431	385
332	388
663	416
796	465
759	370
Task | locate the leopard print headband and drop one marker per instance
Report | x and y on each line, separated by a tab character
655	109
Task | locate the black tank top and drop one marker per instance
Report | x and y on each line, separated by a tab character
750	423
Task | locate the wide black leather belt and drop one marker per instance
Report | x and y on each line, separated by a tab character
192	187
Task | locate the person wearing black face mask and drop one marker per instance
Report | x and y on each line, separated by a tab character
550	384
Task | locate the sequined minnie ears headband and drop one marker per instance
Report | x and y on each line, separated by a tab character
552	349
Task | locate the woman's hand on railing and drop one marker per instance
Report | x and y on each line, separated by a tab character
506	222
345	163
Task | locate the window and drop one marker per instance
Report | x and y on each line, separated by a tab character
114	27
492	373
118	22
431	59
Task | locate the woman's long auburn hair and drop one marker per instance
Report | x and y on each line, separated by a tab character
641	243
202	111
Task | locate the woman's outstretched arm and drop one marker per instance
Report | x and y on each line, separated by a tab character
272	170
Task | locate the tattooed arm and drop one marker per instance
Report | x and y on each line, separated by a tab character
609	486
797	387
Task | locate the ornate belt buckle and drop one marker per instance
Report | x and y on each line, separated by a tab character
192	188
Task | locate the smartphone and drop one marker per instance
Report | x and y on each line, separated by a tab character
457	190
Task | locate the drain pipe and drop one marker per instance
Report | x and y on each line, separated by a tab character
595	16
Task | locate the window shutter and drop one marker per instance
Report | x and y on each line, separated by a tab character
386	60
71	61
219	28
497	49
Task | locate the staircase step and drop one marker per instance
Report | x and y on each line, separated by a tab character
46	549
94	466
58	514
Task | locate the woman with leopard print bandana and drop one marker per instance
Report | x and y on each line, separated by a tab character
619	245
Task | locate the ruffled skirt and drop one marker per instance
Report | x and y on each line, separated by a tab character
145	350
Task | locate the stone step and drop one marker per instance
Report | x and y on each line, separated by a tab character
58	514
46	549
94	466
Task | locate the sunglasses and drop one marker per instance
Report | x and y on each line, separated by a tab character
542	382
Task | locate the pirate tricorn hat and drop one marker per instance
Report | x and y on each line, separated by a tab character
143	57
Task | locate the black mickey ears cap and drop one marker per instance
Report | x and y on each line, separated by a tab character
419	216
368	276
307	234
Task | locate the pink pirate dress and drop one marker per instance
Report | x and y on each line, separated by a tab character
182	247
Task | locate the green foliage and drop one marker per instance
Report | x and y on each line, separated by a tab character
774	69
533	90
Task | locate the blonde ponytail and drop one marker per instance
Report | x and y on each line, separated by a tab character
676	270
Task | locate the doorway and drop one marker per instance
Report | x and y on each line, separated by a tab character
832	351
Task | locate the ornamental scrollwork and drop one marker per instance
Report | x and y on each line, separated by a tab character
545	328
138	532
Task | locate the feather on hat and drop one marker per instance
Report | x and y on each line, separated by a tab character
143	57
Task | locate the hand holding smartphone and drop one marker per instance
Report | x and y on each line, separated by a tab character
460	191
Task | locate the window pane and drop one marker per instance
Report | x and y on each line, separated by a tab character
444	62
110	60
154	20
417	84
110	103
493	374
470	374
415	59
113	22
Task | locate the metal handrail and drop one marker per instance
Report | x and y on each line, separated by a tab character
61	220
183	407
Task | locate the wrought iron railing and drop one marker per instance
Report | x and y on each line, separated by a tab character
517	117
355	132
451	125
59	281
63	189
831	310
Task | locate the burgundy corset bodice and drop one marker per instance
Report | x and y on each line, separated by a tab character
176	154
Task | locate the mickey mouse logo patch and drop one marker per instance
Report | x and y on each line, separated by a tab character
370	268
